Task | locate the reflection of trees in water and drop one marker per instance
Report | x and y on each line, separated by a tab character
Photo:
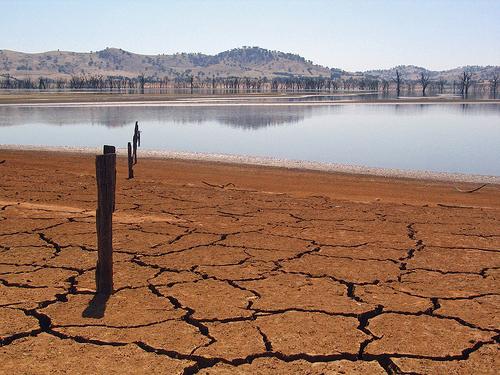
247	117
60	116
480	108
472	109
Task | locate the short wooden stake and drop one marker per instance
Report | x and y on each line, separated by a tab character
130	161
105	166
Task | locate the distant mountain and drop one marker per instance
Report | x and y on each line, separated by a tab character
252	62
240	62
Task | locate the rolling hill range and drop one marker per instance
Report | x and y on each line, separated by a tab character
241	62
249	62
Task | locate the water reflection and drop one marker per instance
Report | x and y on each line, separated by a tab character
438	137
246	117
375	96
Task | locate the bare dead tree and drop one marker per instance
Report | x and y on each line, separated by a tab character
385	85
398	79
465	83
142	82
441	84
42	83
60	83
424	81
494	84
335	85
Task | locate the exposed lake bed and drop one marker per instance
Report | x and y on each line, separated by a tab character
245	253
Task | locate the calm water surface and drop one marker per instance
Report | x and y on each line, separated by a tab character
436	137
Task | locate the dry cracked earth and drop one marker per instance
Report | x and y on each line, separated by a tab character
218	278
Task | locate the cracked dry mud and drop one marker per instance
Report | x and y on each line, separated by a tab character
278	272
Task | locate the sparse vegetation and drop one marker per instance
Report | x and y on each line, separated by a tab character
246	69
465	83
424	81
398	81
494	84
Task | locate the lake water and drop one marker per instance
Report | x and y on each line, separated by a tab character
462	138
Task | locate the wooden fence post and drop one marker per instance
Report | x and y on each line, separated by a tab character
105	176
136	140
107	149
137	133
130	161
135	147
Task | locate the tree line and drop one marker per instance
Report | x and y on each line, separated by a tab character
461	85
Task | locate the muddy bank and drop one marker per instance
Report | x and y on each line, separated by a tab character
295	165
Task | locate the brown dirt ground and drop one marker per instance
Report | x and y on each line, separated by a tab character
279	272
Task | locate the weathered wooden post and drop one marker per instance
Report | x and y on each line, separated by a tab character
130	161
134	139
107	149
105	166
136	131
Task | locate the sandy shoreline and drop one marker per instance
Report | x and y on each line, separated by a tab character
115	99
278	163
233	104
350	182
245	103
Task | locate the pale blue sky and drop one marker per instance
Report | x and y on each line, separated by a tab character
351	35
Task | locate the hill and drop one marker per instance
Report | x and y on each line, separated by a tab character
239	62
249	62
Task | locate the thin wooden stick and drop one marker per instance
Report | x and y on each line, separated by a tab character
470	191
130	161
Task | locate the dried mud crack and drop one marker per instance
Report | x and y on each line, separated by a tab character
229	269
